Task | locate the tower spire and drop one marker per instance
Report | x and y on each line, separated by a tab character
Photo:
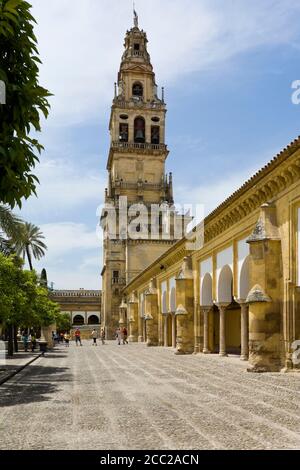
135	17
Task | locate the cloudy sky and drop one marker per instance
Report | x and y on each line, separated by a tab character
227	67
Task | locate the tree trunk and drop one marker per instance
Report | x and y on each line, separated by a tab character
29	258
16	348
10	351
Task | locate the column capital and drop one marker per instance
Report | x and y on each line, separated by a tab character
148	317
222	305
240	301
206	308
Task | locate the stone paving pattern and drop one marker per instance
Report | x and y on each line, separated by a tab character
134	397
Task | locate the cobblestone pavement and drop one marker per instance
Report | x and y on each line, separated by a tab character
133	397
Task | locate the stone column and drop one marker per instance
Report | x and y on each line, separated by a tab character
266	353
173	331
166	331
205	314
122	309
140	330
133	320
244	330
222	341
185	309
198	327
151	314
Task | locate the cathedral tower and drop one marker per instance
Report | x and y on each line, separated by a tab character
136	174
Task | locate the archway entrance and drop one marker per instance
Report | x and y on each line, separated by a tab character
93	320
78	320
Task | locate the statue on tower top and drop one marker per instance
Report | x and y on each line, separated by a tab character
135	17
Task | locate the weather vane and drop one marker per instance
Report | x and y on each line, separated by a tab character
136	18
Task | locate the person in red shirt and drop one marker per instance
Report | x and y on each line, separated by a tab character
78	337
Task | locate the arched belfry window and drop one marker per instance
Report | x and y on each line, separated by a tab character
137	89
155	130
123	133
139	130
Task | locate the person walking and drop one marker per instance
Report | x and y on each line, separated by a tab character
61	337
25	340
33	341
118	336
102	335
78	337
124	335
67	339
94	336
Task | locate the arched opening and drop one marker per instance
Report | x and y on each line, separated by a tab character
78	320
164	308
244	280
137	89
173	300
206	291
93	320
139	130
232	312
225	285
155	135
123	132
172	321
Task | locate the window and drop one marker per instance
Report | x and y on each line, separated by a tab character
116	274
137	89
123	133
155	134
139	130
136	47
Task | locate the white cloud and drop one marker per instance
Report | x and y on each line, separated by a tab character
63	187
74	256
81	43
68	237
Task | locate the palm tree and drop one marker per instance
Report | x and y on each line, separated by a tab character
10	228
30	243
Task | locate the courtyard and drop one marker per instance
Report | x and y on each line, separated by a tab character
134	397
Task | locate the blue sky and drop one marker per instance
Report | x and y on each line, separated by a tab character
227	67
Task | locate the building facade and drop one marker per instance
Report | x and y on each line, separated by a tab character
240	292
82	306
136	176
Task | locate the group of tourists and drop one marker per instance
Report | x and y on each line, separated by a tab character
94	336
121	335
29	339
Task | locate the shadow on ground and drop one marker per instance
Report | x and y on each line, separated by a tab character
35	383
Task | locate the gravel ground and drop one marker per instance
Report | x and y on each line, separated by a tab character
134	397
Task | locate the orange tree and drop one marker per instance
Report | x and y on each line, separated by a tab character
25	100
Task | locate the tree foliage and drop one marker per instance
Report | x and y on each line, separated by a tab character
29	243
63	322
22	301
26	100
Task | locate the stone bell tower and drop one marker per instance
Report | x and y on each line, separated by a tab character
136	174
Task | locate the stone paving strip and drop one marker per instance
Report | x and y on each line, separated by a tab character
134	397
12	366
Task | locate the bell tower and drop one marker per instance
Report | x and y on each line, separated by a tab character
136	171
